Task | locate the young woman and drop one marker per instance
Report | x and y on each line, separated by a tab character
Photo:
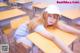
39	24
51	13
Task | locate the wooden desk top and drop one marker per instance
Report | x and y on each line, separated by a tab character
48	46
39	5
72	13
11	1
3	4
10	13
15	23
23	1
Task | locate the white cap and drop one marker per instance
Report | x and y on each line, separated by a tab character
52	9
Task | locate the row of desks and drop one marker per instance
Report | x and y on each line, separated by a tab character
46	45
3	4
4	15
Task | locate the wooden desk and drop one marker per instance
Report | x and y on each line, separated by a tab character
11	1
5	15
72	13
23	1
17	22
3	4
48	46
39	5
10	13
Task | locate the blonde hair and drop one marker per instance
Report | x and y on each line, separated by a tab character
38	19
35	22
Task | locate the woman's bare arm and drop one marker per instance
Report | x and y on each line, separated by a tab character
68	28
53	37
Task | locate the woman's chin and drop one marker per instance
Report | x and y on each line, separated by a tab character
50	24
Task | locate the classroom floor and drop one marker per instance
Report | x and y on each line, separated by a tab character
76	45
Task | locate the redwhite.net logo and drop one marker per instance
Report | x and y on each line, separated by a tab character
67	2
4	48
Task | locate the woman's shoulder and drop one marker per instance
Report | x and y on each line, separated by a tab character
39	28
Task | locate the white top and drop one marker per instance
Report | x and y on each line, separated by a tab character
40	28
23	30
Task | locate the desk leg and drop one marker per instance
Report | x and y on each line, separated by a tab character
34	11
76	46
3	37
35	49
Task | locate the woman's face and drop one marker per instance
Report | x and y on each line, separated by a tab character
52	19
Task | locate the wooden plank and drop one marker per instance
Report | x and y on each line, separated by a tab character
11	1
17	22
48	46
3	4
10	13
39	5
23	1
